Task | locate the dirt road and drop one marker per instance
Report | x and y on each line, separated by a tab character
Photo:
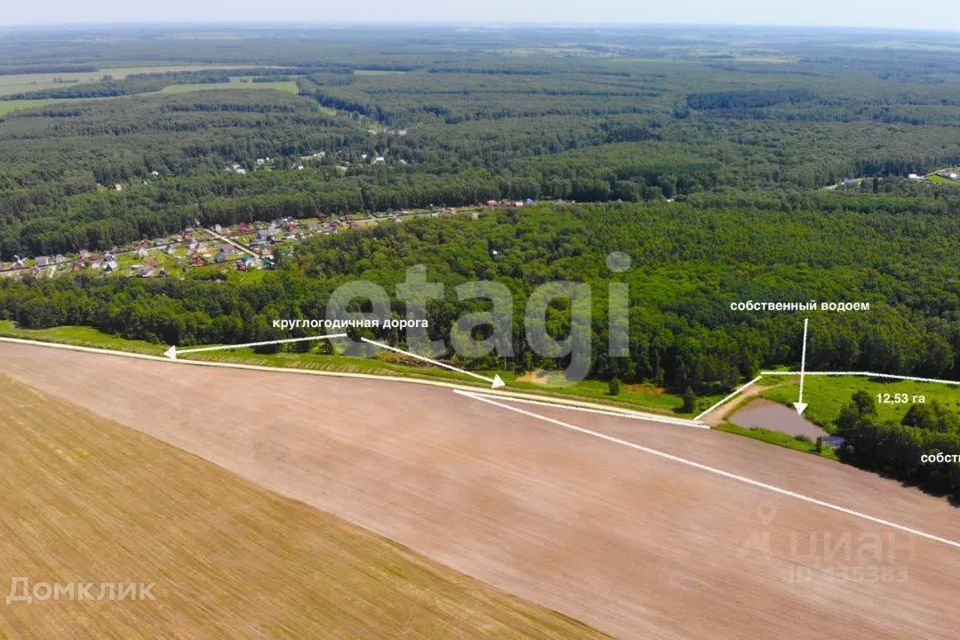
631	543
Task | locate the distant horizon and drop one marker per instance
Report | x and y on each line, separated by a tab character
266	24
937	15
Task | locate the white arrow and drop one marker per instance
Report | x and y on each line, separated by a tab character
495	382
800	405
173	352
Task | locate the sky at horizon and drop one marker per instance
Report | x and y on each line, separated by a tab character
937	15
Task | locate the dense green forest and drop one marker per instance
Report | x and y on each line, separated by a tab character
690	262
617	114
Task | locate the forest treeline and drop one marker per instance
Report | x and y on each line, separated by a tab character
749	99
689	264
46	68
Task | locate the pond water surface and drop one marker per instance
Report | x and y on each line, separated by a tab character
766	414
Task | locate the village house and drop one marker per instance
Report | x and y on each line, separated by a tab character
247	263
222	256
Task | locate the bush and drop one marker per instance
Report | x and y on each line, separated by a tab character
615	386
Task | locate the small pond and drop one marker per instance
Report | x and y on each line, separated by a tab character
766	414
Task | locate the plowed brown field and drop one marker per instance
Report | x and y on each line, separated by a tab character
630	543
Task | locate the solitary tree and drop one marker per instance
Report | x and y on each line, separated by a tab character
865	403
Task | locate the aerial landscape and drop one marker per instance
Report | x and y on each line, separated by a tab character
472	328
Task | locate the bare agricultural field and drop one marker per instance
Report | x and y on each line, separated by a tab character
85	500
631	541
20	83
6	106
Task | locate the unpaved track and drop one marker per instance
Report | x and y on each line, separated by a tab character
633	544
